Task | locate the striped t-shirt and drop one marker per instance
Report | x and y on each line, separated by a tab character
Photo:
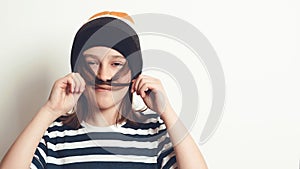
144	145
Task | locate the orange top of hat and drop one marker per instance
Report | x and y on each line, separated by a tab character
112	13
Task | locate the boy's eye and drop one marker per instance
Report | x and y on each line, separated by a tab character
118	64
92	63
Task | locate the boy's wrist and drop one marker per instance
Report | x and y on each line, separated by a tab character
49	113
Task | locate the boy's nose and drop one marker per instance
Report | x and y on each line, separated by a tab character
103	74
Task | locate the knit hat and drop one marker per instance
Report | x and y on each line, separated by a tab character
112	30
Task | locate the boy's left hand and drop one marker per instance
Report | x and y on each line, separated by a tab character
152	92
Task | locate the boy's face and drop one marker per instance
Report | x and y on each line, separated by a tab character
105	63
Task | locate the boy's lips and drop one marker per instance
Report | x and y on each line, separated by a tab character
103	88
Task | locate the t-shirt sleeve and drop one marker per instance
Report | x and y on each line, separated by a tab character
40	156
166	158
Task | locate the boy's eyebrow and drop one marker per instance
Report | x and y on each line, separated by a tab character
117	56
90	55
111	56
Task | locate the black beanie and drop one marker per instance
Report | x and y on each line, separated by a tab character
112	33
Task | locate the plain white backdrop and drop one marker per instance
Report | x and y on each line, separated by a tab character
257	43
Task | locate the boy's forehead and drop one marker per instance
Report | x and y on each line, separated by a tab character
101	51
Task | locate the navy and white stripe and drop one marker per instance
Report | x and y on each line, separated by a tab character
135	146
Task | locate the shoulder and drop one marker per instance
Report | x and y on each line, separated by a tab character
148	122
59	129
59	125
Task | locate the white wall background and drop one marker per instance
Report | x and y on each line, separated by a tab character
257	42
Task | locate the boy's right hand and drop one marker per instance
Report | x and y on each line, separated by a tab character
65	94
